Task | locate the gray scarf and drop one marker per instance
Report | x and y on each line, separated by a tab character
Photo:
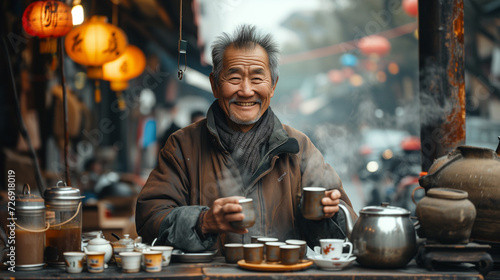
245	148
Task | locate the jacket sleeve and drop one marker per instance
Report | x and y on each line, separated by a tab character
163	210
178	230
317	173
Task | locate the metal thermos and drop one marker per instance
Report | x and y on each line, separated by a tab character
30	230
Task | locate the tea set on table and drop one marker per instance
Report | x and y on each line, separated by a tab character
385	236
130	255
382	236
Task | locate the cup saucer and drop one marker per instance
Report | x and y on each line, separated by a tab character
327	264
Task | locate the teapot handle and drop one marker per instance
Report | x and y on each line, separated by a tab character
423	173
413	193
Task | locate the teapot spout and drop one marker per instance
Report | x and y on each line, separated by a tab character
349	220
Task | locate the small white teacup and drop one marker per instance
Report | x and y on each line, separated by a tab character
166	253
332	249
74	261
131	261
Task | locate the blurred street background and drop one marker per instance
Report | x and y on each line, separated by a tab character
349	79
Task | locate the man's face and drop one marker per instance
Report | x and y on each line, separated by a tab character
245	86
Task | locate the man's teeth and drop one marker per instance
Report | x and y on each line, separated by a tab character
245	103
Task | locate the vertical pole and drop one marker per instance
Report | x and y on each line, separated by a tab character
442	85
65	111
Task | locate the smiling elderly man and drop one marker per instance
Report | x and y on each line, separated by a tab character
240	150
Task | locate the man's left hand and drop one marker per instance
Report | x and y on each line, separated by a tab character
330	202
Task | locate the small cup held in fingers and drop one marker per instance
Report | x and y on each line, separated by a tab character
248	211
312	209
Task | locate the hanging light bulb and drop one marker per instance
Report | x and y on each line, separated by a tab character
77	13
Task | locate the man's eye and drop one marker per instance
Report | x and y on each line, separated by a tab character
234	78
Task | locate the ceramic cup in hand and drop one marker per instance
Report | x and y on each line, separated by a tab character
312	209
248	211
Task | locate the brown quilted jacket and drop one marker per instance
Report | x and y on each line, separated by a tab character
194	169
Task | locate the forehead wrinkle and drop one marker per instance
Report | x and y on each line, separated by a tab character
254	69
238	60
245	59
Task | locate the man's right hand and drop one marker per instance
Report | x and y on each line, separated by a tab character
223	211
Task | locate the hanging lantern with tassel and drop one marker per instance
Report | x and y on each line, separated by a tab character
94	43
128	66
48	20
375	47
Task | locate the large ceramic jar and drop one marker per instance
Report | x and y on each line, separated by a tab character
476	171
446	216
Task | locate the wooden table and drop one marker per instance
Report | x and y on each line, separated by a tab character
218	269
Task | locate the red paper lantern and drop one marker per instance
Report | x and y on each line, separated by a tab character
47	19
410	7
374	45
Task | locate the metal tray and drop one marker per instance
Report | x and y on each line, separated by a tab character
30	266
201	257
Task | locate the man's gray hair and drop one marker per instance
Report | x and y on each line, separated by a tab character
245	36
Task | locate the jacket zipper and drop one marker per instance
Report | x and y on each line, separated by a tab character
260	193
262	209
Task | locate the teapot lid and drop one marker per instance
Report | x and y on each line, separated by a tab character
28	201
385	210
62	193
126	240
99	240
447	193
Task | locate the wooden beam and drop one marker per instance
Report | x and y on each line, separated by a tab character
442	84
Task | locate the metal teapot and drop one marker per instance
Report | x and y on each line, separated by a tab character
383	236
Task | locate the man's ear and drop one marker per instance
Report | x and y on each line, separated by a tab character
213	84
274	86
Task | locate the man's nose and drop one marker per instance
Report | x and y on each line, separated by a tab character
246	88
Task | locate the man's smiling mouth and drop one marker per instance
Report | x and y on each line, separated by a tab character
245	103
